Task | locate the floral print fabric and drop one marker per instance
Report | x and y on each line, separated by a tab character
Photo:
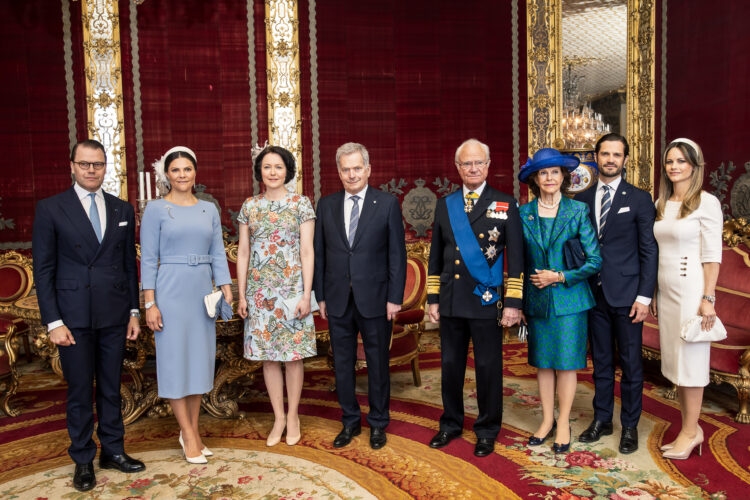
275	274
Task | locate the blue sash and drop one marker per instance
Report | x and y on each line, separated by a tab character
488	279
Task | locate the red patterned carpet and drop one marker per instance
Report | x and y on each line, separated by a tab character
34	463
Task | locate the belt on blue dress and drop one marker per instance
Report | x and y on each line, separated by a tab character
190	259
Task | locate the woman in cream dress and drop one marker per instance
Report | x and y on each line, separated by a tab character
688	230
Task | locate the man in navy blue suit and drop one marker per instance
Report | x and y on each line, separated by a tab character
360	273
87	287
624	218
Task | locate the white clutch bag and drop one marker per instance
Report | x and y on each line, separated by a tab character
691	331
210	302
290	305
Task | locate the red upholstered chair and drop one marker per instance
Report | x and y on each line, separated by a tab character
8	371
16	281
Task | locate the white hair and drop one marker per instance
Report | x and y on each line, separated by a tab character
476	142
351	148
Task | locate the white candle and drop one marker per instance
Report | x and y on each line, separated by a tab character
140	185
148	186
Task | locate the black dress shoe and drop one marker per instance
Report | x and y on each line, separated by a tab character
377	438
84	478
596	430
123	463
346	435
442	438
535	441
629	440
564	448
484	447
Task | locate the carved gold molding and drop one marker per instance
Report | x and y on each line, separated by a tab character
283	73
104	101
544	54
544	76
641	93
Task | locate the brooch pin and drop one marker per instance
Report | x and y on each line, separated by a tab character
531	217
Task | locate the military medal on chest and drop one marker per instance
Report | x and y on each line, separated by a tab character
490	252
487	296
498	210
494	234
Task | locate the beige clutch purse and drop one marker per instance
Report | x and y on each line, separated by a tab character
691	331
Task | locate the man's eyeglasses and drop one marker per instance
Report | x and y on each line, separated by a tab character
466	165
85	165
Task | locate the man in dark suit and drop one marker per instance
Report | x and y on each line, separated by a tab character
87	287
624	218
360	273
472	229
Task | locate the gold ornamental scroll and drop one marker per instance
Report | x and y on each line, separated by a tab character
283	73
104	101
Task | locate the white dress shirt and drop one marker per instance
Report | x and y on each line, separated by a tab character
349	204
598	210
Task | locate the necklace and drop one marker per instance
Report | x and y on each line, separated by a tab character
555	201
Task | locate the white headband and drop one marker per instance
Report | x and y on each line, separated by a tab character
158	165
690	143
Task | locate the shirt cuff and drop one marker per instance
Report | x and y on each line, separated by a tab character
646	301
133	311
55	324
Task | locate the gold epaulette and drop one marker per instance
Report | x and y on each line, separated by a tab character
514	288
433	284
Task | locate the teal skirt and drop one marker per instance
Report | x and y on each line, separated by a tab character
558	342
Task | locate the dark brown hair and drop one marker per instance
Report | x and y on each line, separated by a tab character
534	186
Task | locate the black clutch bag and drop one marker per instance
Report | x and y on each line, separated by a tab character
573	254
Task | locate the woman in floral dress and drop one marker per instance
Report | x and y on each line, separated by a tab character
275	264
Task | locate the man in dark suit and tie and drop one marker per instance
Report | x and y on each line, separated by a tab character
473	227
624	218
87	287
360	273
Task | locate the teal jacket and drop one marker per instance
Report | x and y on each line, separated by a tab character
574	295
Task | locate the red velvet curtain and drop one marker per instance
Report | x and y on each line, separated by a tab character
708	70
412	80
34	118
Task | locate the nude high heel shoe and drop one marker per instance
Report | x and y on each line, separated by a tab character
200	459
274	440
685	454
291	441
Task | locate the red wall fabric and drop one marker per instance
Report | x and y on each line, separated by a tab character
411	81
708	71
34	118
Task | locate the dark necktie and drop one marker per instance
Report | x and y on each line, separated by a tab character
94	216
353	219
606	204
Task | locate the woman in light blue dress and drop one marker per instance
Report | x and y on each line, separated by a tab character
182	253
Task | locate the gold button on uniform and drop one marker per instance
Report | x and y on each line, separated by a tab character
457	249
481	235
458	262
456	276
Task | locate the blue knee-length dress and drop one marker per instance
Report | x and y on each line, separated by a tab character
557	342
182	254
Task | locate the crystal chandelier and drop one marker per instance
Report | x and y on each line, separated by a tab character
581	126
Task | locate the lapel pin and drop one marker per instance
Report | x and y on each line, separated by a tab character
531	217
623	192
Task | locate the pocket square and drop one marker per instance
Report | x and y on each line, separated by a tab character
123	223
623	210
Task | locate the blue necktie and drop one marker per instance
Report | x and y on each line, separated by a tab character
353	219
94	216
606	204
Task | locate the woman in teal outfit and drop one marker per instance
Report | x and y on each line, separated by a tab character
555	298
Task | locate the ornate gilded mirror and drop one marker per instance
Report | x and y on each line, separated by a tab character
590	70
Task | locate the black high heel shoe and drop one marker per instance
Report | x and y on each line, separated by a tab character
563	448
535	441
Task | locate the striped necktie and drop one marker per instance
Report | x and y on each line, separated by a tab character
606	205
353	219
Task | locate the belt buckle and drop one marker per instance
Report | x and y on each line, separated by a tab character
192	259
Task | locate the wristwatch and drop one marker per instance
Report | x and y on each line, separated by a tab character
710	298
149	305
560	277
